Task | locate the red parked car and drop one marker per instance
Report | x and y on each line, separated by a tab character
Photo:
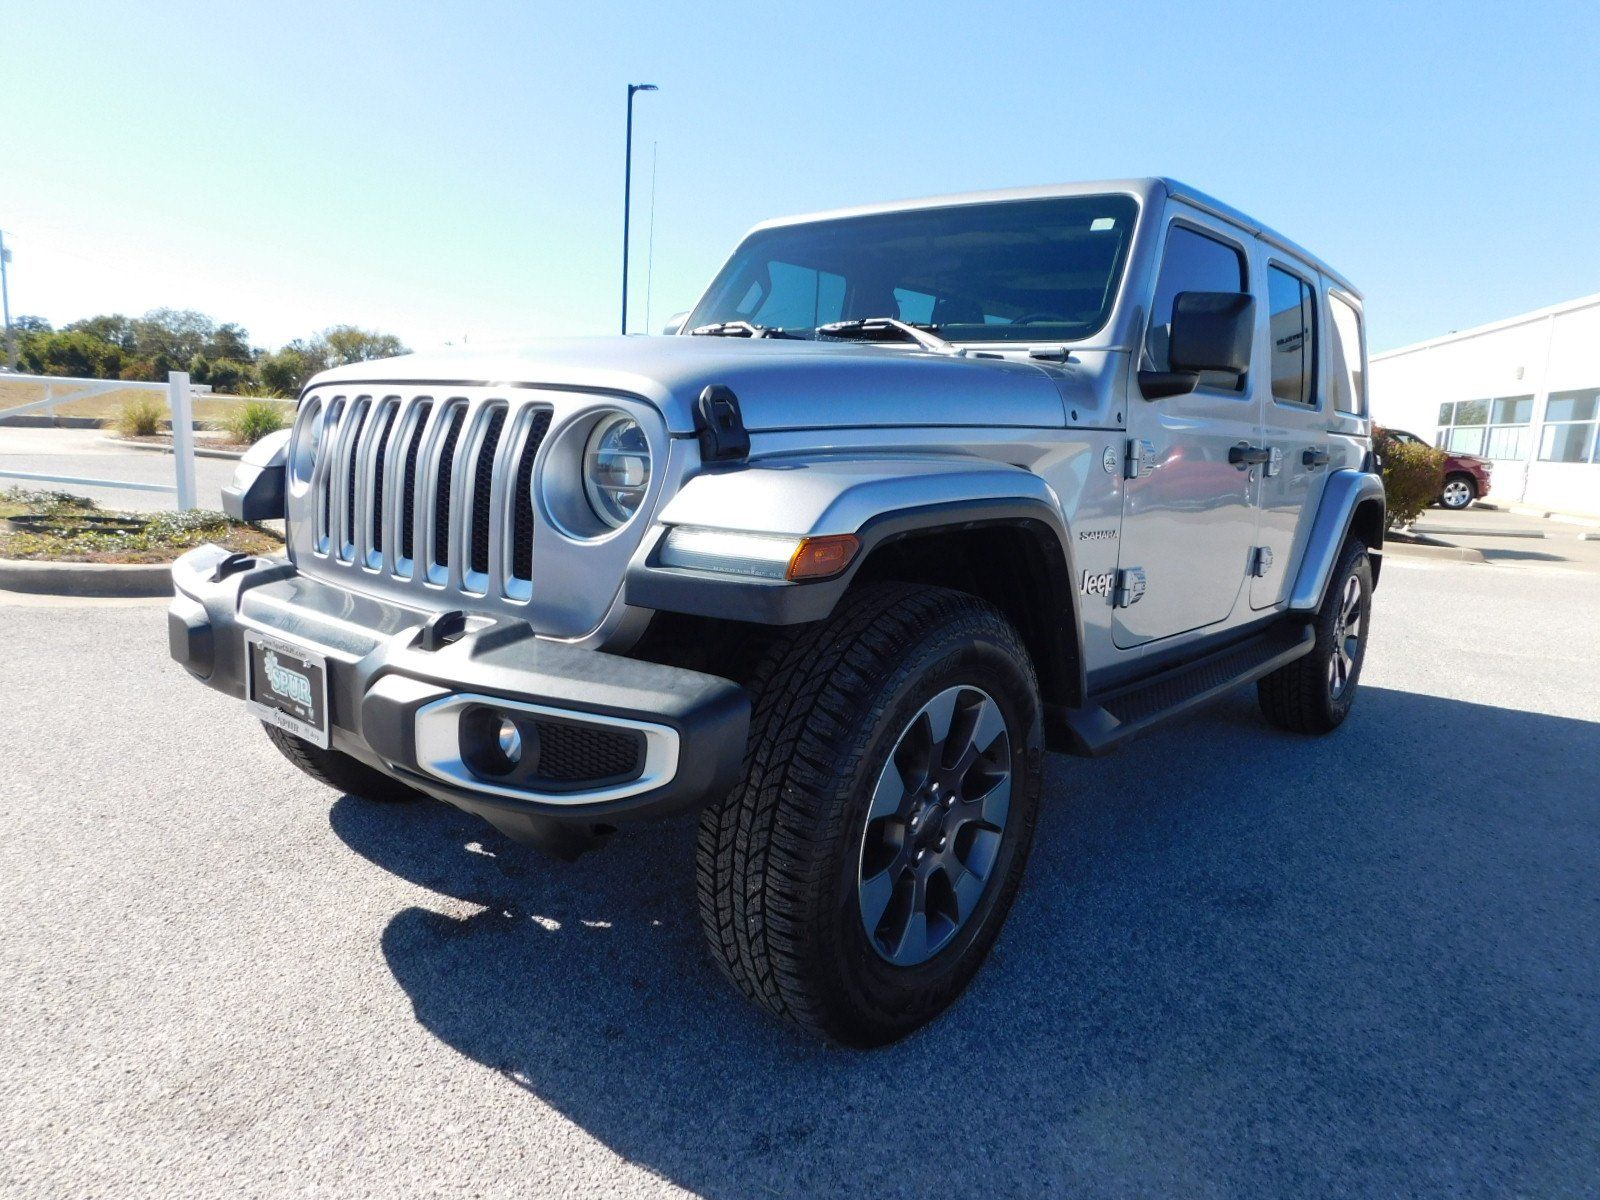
1466	476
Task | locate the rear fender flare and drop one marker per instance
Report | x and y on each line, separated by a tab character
1344	496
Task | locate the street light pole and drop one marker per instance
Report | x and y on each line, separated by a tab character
627	194
5	303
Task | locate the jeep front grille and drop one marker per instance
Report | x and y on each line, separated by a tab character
433	490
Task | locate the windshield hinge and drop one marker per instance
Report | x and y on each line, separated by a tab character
720	424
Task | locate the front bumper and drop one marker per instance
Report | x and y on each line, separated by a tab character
399	679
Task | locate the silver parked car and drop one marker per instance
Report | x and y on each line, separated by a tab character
916	492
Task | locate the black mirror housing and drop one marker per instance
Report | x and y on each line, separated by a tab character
1212	331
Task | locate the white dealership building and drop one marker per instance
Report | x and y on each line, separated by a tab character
1524	392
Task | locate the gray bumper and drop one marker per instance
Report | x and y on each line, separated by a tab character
399	680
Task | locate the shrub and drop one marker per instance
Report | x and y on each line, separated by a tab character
141	417
227	375
254	419
1413	475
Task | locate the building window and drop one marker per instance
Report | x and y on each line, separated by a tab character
1497	428
1349	385
1293	329
1569	427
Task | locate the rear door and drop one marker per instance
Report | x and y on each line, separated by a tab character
1294	427
1189	515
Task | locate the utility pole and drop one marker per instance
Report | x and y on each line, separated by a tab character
627	194
5	303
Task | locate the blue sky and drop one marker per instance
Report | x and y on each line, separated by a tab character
453	170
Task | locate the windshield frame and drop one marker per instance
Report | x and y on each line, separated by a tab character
1122	268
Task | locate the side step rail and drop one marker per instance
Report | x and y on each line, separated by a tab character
1114	716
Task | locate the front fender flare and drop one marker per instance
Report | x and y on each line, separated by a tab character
877	499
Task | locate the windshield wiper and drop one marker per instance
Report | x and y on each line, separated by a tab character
868	329
742	329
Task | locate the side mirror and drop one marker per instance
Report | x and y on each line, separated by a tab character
674	323
1211	331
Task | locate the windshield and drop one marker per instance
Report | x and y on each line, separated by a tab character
1006	271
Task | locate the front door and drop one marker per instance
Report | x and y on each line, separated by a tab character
1189	517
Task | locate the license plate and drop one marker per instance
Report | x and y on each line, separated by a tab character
287	685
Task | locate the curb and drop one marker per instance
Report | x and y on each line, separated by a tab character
1549	514
1465	531
1455	553
86	579
30	422
160	448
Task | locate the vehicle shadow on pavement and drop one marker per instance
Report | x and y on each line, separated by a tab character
1243	963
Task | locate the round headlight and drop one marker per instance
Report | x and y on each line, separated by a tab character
616	469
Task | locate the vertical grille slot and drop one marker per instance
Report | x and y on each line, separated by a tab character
350	465
408	483
522	498
391	411
482	490
444	486
327	459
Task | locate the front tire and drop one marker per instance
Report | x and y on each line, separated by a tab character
1313	694
337	770
1459	492
855	879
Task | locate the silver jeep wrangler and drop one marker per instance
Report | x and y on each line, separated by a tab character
916	492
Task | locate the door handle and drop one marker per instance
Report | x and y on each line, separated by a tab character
1246	455
1314	457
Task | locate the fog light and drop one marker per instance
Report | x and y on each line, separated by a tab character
510	739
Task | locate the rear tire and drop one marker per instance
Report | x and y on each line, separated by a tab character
337	770
1313	694
1459	492
854	799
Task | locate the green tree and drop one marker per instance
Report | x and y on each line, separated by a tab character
72	353
285	371
113	327
170	337
228	374
229	341
351	344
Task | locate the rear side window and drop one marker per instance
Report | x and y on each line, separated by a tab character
1291	304
1192	262
1349	383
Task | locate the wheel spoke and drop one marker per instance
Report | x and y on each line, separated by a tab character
990	807
939	714
876	893
890	793
912	945
968	889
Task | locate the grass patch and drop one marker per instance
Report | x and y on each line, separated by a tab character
145	537
254	419
140	417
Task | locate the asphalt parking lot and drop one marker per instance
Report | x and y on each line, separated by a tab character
1244	963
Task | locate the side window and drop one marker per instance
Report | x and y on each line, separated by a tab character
1291	305
1349	386
1192	262
796	297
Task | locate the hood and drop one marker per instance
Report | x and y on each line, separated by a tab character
780	384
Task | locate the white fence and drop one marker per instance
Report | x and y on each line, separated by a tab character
178	389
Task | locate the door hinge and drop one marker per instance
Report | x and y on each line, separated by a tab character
1139	458
1130	587
1260	561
